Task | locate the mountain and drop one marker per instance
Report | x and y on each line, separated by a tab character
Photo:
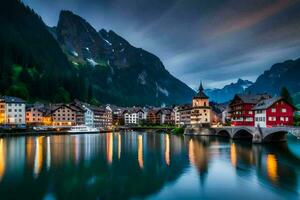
31	61
73	60
228	91
117	71
281	74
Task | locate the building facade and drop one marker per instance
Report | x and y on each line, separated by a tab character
241	106
165	116
35	115
185	114
64	115
200	114
151	116
133	116
274	112
12	111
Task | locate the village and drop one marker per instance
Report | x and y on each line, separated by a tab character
244	110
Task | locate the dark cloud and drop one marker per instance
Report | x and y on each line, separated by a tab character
197	39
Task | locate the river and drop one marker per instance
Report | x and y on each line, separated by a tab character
145	165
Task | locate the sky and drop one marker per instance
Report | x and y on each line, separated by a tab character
213	41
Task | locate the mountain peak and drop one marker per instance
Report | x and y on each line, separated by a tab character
228	91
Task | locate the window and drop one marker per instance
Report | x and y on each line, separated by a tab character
282	119
286	119
273	110
250	112
270	119
283	110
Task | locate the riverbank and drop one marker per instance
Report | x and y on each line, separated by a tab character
31	132
14	133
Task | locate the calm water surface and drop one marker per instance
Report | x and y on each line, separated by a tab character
141	165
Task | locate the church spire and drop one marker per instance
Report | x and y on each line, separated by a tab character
200	87
201	93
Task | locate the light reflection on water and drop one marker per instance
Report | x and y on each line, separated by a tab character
129	165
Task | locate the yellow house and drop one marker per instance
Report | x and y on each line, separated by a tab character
201	110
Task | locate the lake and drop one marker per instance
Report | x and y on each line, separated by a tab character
146	165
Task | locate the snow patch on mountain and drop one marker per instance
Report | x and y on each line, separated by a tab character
162	90
92	62
142	77
74	53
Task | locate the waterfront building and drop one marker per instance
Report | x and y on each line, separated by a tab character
225	116
274	112
215	118
107	116
133	116
117	115
176	115
84	114
201	110
241	106
102	116
185	114
35	114
151	116
12	111
165	116
65	115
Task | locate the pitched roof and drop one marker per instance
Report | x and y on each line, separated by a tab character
133	110
252	99
266	103
201	94
9	99
165	111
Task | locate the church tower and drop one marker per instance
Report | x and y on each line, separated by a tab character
200	108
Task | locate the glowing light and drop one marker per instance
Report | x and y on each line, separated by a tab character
38	161
233	154
48	153
109	147
119	145
191	152
167	149
272	168
140	151
2	159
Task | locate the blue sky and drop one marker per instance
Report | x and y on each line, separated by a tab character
212	41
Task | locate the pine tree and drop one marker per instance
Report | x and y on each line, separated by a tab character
286	94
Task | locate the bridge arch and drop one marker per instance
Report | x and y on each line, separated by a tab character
278	136
243	134
224	133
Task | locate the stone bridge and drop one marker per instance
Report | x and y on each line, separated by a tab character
255	134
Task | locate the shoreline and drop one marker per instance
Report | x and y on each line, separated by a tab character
19	133
47	133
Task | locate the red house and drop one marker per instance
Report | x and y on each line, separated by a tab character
274	112
241	106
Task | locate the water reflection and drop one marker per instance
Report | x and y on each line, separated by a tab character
140	151
2	158
108	166
272	168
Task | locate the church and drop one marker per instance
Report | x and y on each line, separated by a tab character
201	110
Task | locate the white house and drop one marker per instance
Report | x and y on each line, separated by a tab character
12	111
88	116
133	116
